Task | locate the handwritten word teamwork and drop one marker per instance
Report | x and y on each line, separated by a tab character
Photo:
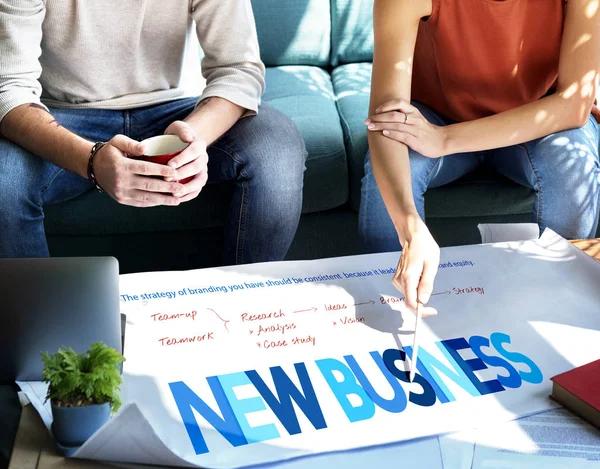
350	378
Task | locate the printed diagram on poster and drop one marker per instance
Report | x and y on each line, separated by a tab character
239	366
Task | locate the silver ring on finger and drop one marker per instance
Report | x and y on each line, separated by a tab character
405	117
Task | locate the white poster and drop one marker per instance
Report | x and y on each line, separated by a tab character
240	366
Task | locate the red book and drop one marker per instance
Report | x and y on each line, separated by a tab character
579	391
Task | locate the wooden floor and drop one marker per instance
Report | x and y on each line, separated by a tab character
590	246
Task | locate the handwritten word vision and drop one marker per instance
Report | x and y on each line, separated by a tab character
347	378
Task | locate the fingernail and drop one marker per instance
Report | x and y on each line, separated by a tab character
367	121
386	133
425	298
172	164
377	110
371	126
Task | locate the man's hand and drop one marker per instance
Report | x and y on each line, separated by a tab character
133	182
191	162
400	121
417	268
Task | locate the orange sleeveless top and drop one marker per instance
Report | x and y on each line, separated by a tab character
475	58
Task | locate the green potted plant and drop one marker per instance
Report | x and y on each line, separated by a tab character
83	391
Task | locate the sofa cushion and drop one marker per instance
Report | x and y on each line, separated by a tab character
352	86
351	31
293	32
303	93
481	194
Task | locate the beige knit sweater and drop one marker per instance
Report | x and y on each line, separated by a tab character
121	54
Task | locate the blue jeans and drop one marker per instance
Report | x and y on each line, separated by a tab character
263	156
563	169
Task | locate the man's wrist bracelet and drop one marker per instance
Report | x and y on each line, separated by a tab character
91	176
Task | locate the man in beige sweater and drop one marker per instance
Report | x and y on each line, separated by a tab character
82	83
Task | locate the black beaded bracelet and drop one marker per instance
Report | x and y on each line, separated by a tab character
91	175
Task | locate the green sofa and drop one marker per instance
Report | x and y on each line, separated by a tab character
318	55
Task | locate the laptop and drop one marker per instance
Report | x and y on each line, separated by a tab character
49	303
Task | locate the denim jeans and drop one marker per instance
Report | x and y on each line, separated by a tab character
563	169
263	156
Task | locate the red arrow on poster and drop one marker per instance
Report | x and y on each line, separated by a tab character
443	293
370	302
313	309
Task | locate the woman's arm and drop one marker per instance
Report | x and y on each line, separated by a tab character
396	23
569	107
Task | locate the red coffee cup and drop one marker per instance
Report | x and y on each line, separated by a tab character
161	149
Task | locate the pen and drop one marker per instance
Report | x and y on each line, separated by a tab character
415	349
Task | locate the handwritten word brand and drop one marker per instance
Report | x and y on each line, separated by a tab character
346	378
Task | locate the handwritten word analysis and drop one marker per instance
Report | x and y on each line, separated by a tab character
280	328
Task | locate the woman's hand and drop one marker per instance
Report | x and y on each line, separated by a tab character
417	268
400	121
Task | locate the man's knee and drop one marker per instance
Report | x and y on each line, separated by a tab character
276	147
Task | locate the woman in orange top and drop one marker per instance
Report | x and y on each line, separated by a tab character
508	83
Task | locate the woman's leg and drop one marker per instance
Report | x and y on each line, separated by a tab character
377	231
564	171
